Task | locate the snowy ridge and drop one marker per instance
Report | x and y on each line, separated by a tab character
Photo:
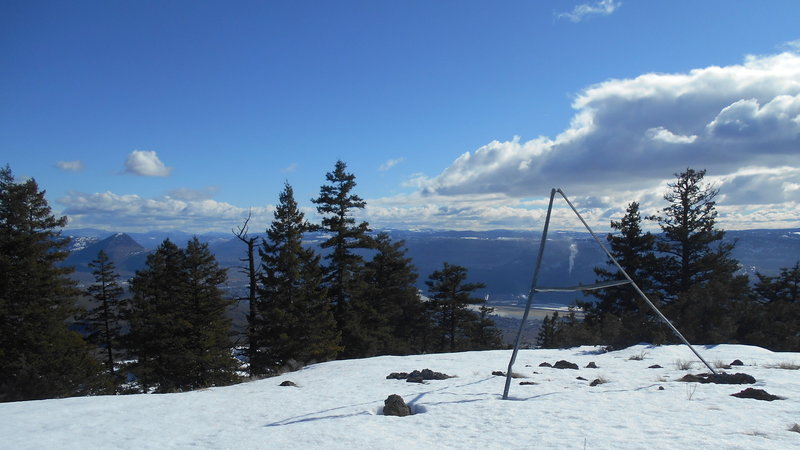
339	404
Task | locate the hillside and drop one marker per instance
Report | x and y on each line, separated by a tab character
502	259
339	404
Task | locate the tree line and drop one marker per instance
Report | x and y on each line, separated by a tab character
171	331
690	275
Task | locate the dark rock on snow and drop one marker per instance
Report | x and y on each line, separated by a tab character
581	378
498	373
394	405
736	362
545	364
591	365
288	383
655	366
758	394
418	376
562	364
720	378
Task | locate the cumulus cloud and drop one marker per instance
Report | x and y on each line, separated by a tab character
585	10
389	164
146	163
628	133
131	212
626	140
70	166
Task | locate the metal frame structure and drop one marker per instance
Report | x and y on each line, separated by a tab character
534	289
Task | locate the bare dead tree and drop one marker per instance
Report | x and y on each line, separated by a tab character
250	270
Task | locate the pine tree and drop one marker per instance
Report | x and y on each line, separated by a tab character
691	242
345	267
773	320
210	328
159	331
396	318
104	321
450	298
39	356
620	317
485	335
296	321
697	272
178	328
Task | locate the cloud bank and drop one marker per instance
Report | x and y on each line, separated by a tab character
146	163
628	136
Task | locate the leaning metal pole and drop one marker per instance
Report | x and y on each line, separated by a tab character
530	294
635	286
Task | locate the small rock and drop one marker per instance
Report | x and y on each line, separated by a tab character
394	405
288	383
758	394
397	376
581	378
596	382
655	366
661	388
591	365
545	364
498	373
527	383
562	364
736	362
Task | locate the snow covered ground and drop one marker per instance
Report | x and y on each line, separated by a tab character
339	405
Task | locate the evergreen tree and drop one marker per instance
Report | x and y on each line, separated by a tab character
695	258
620	317
485	335
450	298
104	321
296	320
159	331
396	318
210	327
178	329
692	245
773	320
39	356
547	332
345	268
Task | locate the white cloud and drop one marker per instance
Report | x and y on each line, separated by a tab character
389	164
290	168
146	163
134	213
664	135
626	140
630	134
584	10
70	166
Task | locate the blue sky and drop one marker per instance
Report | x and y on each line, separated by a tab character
451	114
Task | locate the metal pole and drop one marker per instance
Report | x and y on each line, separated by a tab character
530	295
635	286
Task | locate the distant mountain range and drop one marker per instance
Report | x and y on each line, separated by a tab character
503	260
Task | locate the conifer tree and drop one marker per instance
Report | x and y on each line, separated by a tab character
39	356
692	243
252	274
210	327
178	329
344	269
620	317
396	318
296	320
696	275
104	320
450	297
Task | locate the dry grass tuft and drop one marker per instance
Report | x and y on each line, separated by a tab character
683	364
638	357
784	365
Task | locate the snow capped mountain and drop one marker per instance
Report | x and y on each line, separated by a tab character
339	404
